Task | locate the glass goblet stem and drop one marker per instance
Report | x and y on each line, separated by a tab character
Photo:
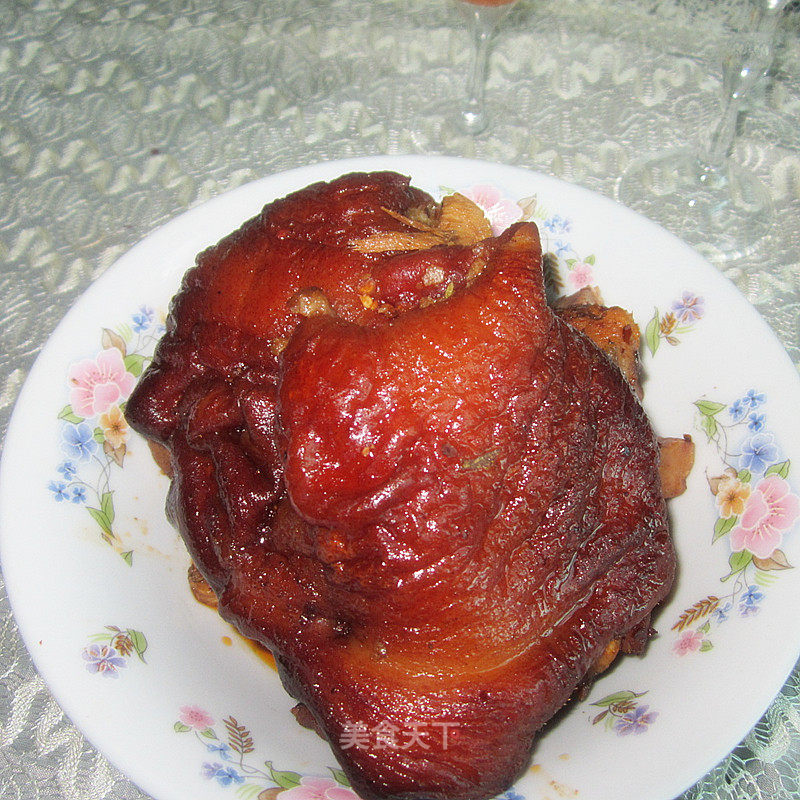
702	193
482	21
741	69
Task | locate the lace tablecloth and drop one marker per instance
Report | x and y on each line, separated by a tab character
115	117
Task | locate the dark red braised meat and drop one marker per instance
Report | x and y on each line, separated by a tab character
436	502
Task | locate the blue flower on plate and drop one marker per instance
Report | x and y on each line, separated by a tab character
104	660
59	490
755	399
562	248
228	775
78	494
143	318
78	441
209	771
721	613
557	224
224	776
738	409
748	604
758	453
511	795
689	308
756	422
221	749
68	469
635	721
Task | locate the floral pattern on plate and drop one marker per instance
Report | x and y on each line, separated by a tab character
623	713
668	326
755	508
230	761
94	433
111	649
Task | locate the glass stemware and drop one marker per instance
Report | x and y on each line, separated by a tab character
482	18
701	193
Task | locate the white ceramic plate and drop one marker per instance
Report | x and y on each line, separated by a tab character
170	694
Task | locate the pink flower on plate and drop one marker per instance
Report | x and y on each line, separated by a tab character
688	642
318	789
500	211
195	717
770	511
95	385
580	276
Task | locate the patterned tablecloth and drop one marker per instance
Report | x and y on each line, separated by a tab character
115	117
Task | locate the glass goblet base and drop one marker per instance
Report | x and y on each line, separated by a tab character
473	118
723	210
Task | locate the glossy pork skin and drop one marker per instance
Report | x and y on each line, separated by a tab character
437	516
